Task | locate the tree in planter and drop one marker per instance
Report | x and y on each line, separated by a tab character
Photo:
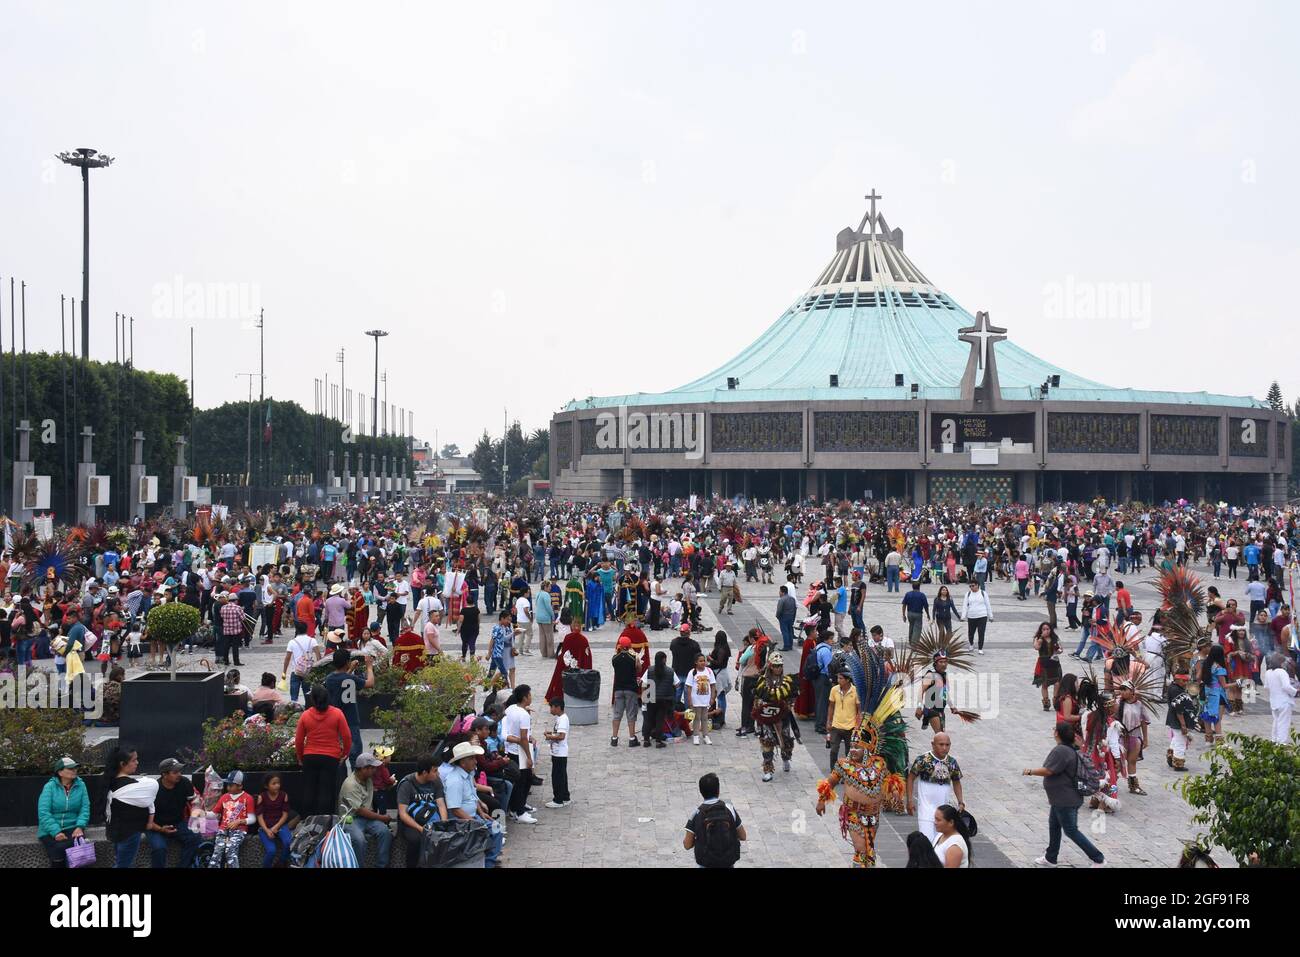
1250	798
433	697
172	624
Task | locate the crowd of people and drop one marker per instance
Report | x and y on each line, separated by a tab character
355	583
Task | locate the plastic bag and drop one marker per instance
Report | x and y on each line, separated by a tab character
582	684
445	843
336	851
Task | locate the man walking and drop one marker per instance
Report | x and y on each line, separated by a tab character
823	654
916	606
231	635
786	609
727	589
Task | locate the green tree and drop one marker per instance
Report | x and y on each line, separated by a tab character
450	451
1250	799
1274	397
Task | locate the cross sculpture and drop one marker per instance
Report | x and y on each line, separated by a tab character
982	336
873	196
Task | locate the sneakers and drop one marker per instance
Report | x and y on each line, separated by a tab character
741	733
695	739
557	804
660	744
767	775
981	651
785	765
524	818
1098	863
707	740
1044	862
613	742
634	743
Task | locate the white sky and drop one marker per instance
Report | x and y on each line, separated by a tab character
547	201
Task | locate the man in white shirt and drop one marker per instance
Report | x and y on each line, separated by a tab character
516	726
524	621
1281	689
428	605
402	594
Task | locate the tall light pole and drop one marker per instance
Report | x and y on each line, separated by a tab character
374	419
343	388
388	426
87	159
248	453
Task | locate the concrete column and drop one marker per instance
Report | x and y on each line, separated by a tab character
179	506
85	471
920	487
1126	486
629	491
22	468
1026	486
137	473
330	480
347	475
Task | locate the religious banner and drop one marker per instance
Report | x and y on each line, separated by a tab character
949	428
1184	435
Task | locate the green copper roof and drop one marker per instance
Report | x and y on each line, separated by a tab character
870	316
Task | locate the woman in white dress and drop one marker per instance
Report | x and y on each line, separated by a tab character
951	842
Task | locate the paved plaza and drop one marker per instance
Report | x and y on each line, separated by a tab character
630	805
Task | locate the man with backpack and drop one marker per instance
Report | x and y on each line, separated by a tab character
714	831
1067	778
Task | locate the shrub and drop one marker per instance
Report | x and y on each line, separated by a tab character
235	743
427	704
171	624
389	679
1250	798
32	739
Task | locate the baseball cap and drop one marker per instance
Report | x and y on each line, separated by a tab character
62	764
235	777
170	764
625	642
367	761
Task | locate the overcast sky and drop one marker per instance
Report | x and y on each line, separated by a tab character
548	201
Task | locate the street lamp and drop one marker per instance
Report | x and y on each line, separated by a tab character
87	159
374	419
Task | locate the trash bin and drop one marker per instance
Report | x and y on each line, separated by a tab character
582	696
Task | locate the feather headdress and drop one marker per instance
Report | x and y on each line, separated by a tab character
918	658
55	561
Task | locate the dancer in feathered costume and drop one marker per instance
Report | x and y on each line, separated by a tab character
864	772
774	694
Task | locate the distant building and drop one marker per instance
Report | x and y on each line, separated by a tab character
447	474
876	384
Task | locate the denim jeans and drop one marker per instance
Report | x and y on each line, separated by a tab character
276	846
1066	819
25	651
298	683
891	578
360	829
125	850
188	840
787	635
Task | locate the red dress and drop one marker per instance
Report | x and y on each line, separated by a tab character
805	706
574	649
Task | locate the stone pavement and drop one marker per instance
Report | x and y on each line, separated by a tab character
631	805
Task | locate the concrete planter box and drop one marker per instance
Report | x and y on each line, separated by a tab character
161	717
20	793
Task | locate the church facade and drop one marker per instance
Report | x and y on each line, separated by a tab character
877	385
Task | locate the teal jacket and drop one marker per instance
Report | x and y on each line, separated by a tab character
60	811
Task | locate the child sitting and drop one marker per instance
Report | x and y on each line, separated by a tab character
234	812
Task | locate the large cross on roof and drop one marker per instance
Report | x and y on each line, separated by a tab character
871	215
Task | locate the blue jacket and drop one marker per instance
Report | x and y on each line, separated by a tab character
60	811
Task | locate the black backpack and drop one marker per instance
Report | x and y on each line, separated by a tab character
716	842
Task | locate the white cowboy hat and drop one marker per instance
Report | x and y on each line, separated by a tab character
465	750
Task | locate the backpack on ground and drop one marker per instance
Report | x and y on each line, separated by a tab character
716	842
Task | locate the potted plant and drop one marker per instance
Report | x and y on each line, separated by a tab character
253	745
432	698
162	714
31	739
